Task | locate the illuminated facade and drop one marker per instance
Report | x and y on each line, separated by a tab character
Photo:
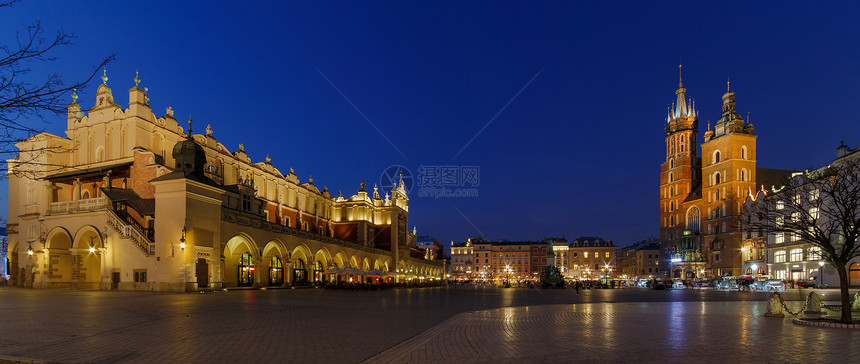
128	200
477	259
701	195
786	256
462	261
592	258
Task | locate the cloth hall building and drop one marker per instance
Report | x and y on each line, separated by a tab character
129	200
701	195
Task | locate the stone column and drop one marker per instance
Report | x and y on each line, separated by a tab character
76	268
76	194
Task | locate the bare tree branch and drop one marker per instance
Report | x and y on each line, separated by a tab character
821	208
22	97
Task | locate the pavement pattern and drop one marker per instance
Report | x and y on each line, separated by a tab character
467	324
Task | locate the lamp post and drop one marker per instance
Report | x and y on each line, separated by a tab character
821	274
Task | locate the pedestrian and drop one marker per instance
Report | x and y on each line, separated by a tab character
577	287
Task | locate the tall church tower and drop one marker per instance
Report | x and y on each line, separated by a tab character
680	173
729	174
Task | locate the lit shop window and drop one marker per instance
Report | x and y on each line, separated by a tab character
779	256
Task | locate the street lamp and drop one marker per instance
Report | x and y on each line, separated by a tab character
182	239
821	274
92	244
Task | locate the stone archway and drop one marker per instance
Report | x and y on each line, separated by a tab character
340	260
274	263
87	259
854	274
300	260
57	269
239	261
322	260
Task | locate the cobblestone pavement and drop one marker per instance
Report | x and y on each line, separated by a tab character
472	324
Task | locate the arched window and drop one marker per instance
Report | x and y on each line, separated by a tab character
108	145
716	157
693	219
717	178
671	163
743	175
671	177
744	152
276	272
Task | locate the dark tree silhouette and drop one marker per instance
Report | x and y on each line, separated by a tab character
820	207
26	99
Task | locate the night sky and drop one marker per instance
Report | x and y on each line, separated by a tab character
561	105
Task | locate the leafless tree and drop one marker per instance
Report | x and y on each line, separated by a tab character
26	99
821	208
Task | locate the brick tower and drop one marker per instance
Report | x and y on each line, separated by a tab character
728	174
680	173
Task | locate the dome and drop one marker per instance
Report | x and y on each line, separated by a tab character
189	156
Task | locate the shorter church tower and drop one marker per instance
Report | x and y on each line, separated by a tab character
729	174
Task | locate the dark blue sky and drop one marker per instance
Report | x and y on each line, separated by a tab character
577	152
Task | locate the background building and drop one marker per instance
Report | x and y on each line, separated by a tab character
786	256
462	260
640	260
129	200
592	258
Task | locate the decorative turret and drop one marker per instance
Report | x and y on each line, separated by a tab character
74	115
136	95
104	95
682	115
189	156
730	121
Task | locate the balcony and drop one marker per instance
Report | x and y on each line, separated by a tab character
76	206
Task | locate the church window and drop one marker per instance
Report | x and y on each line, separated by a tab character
744	152
671	163
716	157
717	178
671	177
693	219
